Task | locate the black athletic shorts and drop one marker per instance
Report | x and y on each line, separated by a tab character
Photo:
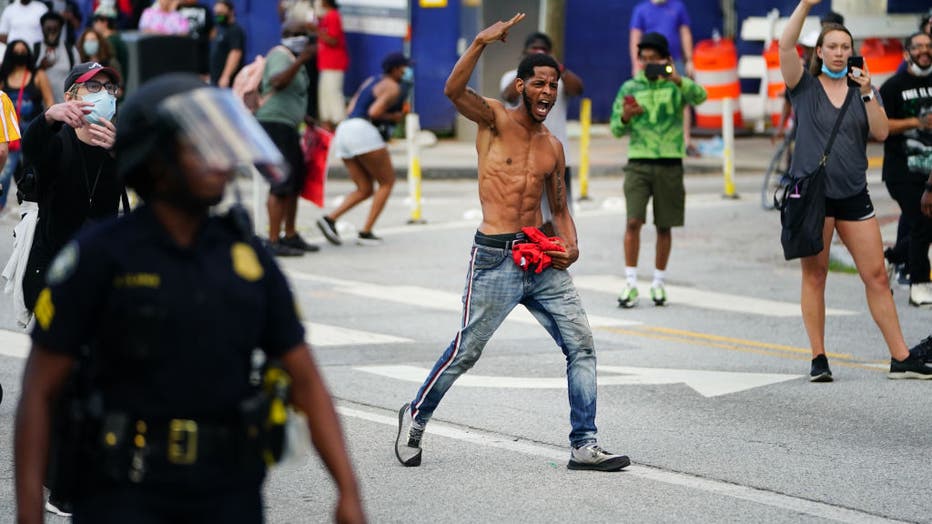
853	209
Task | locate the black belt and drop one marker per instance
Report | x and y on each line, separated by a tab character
505	241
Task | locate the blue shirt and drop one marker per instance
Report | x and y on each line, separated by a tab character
665	18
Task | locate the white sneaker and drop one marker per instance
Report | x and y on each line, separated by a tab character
51	508
628	297
593	457
658	294
920	295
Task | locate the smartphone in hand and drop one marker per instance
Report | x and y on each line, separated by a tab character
654	71
858	62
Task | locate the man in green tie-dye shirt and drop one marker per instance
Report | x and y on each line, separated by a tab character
650	108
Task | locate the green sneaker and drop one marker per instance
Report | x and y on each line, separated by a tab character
629	297
658	294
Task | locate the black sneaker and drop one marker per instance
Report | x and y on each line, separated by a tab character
924	349
914	366
328	227
819	372
281	250
593	457
408	439
297	242
366	238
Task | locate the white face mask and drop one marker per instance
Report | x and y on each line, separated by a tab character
295	43
658	1
104	106
919	71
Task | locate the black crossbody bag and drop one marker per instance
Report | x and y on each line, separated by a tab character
802	204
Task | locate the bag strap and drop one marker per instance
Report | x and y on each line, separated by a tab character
831	138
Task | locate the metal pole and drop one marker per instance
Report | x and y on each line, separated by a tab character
412	128
728	153
585	125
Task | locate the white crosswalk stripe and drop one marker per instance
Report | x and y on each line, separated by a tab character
433	299
16	343
689	296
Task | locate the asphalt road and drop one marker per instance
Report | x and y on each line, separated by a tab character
708	395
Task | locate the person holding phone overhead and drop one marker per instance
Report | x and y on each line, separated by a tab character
650	108
819	95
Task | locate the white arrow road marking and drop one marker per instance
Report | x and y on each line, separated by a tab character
706	383
559	456
706	299
433	299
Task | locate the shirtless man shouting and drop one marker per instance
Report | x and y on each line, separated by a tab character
518	158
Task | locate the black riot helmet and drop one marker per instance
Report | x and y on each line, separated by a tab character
179	106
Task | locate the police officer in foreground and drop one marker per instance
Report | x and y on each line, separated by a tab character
143	360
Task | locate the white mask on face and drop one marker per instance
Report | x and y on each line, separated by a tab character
658	1
104	106
295	43
919	71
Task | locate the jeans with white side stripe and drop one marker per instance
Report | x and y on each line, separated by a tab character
494	286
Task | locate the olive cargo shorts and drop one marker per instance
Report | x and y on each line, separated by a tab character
662	182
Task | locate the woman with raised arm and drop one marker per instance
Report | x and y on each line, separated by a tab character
819	95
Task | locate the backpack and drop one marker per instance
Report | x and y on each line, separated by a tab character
247	81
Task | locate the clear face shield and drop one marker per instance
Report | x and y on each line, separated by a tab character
223	132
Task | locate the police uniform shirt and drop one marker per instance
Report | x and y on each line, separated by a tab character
175	327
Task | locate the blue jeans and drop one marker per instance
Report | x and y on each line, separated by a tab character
12	162
494	286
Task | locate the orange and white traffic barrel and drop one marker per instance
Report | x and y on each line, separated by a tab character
883	56
776	87
716	69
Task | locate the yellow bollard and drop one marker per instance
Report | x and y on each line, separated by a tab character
585	125
728	152
412	128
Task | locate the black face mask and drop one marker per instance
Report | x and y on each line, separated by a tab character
19	59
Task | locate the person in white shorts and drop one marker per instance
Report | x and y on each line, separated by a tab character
360	141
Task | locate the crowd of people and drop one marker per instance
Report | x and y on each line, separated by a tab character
118	303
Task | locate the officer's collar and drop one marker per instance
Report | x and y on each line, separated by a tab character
210	230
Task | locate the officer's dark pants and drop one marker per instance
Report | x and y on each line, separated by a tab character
127	504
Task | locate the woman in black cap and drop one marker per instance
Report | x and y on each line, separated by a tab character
360	141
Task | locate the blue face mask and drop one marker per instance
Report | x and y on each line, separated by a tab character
104	106
408	75
831	74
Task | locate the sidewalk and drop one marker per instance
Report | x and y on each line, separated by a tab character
452	158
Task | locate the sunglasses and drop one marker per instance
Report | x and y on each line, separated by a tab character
94	86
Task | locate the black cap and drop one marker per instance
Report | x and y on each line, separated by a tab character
393	60
87	70
140	126
657	42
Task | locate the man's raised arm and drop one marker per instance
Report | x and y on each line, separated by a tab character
469	103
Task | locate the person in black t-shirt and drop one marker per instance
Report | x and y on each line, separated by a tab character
227	46
907	162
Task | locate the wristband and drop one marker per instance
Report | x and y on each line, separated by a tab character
868	97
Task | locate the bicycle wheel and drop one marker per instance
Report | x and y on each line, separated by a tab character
774	177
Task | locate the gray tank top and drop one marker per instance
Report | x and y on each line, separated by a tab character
846	170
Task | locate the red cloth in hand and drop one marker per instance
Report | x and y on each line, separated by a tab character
533	254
